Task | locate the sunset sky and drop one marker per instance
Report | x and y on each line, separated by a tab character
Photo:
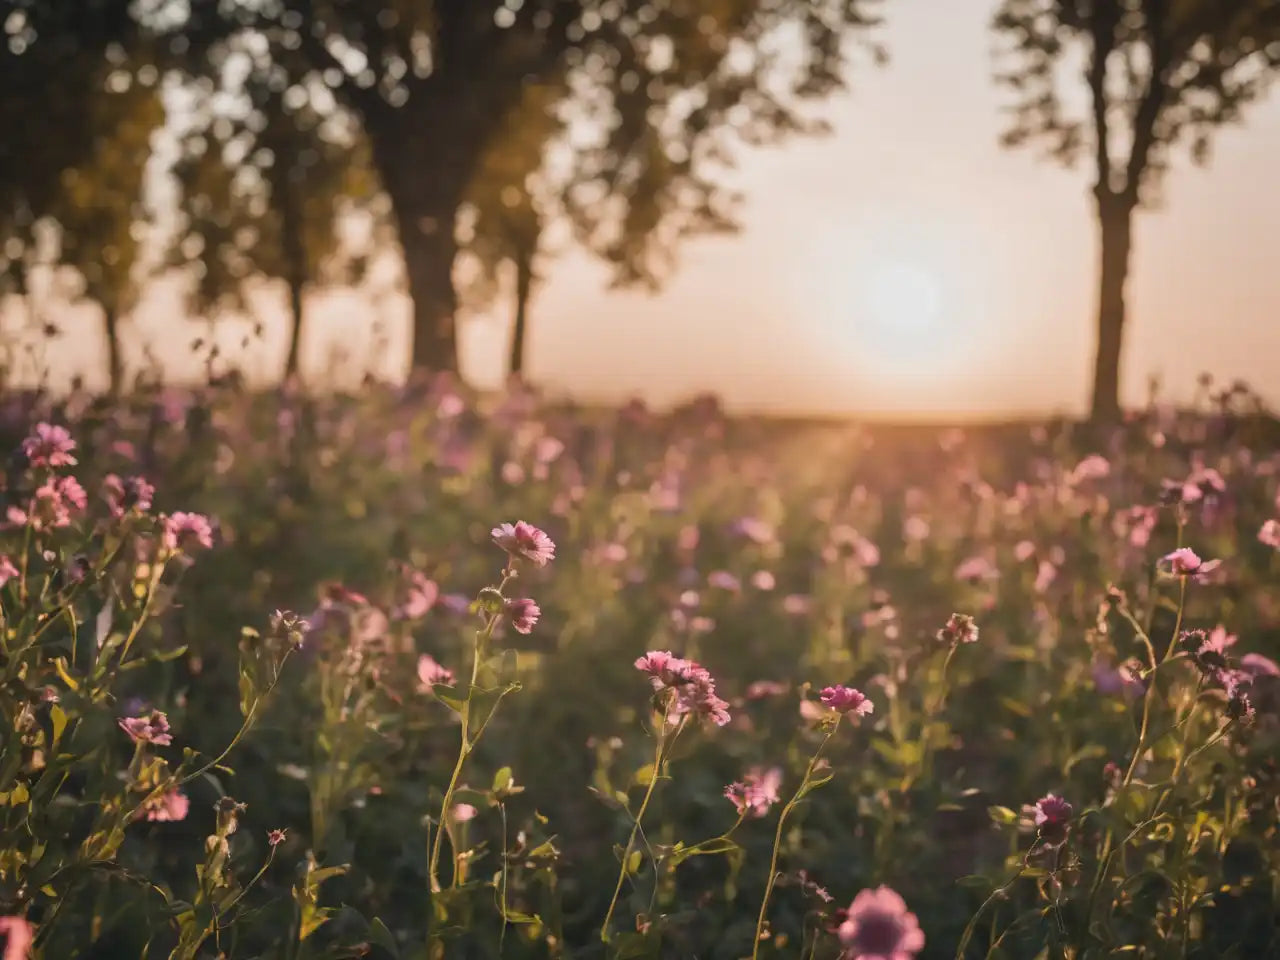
905	265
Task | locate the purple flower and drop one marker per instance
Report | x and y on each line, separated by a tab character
522	539
878	926
183	530
959	628
49	446
724	580
153	728
755	793
523	613
1052	817
431	673
846	700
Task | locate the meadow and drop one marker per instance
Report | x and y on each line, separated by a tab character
417	673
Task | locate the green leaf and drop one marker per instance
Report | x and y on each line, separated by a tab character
379	934
502	780
1002	815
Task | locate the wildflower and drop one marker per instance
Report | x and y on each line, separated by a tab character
976	568
1184	562
755	793
49	446
1024	551
797	604
276	837
431	673
16	935
724	580
170	806
1052	816
755	530
523	613
1045	575
421	594
1269	535
763	580
7	570
184	530
524	540
1256	665
153	728
462	812
812	887
124	495
878	926
692	685
1236	684
1092	467
1122	680
759	689
846	700
959	628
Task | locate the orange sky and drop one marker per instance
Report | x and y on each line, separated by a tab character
904	265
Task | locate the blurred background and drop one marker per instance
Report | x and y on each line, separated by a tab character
805	207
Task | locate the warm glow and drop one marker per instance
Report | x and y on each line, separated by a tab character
900	303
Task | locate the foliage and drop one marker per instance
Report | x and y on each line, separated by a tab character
419	769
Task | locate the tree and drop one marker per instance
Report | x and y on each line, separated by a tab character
1159	73
670	87
98	216
510	199
263	186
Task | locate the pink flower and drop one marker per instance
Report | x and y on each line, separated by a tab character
1024	551
724	580
1256	665
692	689
959	628
763	580
846	700
976	568
878	926
7	570
183	530
431	673
1045	576
760	689
49	446
153	728
523	613
169	806
1185	563
797	604
524	540
1270	534
1052	817
276	837
123	495
757	531
421	594
17	935
755	793
1092	467
462	812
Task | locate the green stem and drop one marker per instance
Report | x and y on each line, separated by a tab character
482	638
777	839
660	755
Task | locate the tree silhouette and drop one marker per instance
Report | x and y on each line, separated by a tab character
1158	74
667	89
262	187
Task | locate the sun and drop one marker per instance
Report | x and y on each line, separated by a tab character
900	302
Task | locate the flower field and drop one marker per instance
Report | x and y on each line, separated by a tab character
423	674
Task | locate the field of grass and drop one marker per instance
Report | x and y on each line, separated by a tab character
1017	685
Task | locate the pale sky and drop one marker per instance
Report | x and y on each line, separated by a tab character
906	264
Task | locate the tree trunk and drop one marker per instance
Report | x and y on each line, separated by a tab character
524	286
296	275
115	361
1115	220
292	360
429	251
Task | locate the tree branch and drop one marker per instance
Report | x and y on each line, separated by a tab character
1102	28
1153	98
